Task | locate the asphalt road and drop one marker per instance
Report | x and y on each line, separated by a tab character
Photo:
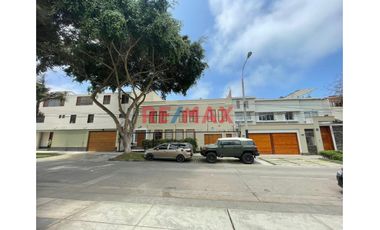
90	192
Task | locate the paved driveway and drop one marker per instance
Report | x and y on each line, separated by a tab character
88	192
297	160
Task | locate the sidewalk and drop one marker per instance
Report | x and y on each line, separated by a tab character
297	160
77	214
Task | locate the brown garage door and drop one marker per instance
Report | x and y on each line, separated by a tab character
285	143
263	142
326	138
101	141
276	143
211	138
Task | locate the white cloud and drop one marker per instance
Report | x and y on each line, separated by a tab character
264	75
57	80
294	32
200	90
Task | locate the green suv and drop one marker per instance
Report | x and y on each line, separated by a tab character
242	148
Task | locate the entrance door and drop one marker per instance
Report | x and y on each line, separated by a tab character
101	141
140	136
211	138
326	138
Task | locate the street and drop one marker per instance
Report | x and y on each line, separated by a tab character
86	191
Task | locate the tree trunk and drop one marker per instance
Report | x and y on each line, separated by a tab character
127	139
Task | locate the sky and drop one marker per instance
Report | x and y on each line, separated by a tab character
296	44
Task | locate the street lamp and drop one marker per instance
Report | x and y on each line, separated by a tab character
242	87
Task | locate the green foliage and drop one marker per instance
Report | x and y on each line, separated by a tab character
105	42
119	44
152	143
332	154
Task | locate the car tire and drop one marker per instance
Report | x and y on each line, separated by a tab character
149	156
247	158
211	157
180	158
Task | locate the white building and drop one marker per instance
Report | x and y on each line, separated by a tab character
79	124
290	125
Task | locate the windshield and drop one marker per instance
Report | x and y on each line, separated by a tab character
248	143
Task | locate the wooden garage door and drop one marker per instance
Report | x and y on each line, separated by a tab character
285	143
211	138
262	141
276	143
101	141
326	138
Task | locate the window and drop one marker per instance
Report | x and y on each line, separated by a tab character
173	146
106	99
169	134
157	134
238	104
230	142
90	118
73	118
54	102
124	99
153	117
239	116
61	116
221	115
310	114
250	115
40	118
179	134
190	133
246	104
212	116
266	116
289	116
86	100
248	143
163	146
182	117
193	116
163	117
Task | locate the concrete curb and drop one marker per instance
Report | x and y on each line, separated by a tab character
54	158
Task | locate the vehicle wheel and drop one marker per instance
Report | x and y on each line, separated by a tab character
247	158
149	157
211	157
180	158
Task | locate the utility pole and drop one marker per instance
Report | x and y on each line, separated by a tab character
244	104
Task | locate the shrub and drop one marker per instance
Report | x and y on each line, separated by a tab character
333	155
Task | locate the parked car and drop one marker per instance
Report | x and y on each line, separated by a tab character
242	148
186	146
339	177
168	151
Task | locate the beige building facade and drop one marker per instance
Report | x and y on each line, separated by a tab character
278	126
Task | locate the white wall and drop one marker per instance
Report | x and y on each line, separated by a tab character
101	119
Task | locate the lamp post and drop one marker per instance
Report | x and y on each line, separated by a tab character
242	87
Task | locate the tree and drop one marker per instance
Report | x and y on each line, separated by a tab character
43	94
127	43
337	91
